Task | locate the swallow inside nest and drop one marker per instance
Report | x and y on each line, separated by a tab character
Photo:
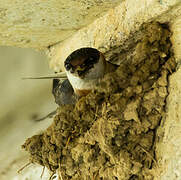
84	68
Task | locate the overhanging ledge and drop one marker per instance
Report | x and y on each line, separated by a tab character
115	29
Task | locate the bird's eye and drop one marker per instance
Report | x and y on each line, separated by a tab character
67	66
83	65
80	73
91	59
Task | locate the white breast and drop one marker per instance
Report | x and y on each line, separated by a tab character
90	79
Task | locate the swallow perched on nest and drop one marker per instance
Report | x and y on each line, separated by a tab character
84	68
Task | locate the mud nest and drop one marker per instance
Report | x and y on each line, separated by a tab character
110	133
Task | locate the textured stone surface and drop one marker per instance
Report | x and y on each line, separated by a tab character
169	133
168	151
38	23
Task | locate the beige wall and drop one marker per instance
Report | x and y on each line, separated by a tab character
20	100
39	24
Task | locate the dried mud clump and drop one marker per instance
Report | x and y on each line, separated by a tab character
110	133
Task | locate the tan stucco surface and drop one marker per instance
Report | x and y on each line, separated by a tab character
39	24
169	133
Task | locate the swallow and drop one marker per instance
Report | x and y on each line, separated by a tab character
84	68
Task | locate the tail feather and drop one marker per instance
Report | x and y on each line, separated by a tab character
61	75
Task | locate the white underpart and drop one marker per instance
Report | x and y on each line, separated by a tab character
91	78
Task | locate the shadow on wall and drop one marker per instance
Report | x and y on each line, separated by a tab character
21	100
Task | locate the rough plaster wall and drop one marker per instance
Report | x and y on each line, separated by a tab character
169	133
38	23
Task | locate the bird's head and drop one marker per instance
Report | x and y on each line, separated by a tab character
80	62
